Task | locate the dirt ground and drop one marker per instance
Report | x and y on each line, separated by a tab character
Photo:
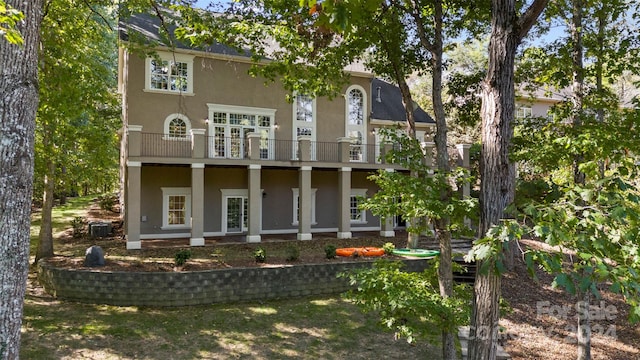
540	324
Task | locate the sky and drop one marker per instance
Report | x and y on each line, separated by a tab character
203	3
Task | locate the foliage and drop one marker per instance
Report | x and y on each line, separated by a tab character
388	248
107	202
594	219
292	252
418	196
599	223
77	224
182	256
534	190
408	303
260	255
489	251
9	19
330	251
77	121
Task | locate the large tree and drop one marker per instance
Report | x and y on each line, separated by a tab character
77	120
18	106
589	132
497	172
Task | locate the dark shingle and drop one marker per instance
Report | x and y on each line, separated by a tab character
386	104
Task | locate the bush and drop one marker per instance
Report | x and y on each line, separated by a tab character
106	202
408	303
260	255
292	253
78	226
388	248
330	251
182	256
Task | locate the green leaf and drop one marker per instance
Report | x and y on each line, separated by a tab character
564	281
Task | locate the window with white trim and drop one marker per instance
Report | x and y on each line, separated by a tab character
230	126
177	127
304	122
296	205
176	208
169	73
357	215
523	112
355	122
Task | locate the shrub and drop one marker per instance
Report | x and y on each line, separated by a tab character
388	248
106	202
292	253
78	226
260	255
182	256
330	251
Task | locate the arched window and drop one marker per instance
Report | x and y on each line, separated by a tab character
177	126
355	105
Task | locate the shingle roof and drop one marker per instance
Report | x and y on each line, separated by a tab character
149	25
386	104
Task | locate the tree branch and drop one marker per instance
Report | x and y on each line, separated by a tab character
106	22
529	17
415	13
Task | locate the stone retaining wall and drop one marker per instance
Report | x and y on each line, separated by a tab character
200	287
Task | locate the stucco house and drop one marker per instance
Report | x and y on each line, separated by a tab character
537	103
209	151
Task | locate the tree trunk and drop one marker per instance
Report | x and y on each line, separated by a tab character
577	54
443	234
577	87
45	238
584	327
413	237
497	172
18	106
483	334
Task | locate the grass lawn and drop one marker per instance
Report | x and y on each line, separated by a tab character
319	328
308	328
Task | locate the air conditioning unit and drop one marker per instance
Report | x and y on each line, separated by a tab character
99	229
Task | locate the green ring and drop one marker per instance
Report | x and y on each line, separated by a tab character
416	252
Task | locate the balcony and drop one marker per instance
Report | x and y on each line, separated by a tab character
253	147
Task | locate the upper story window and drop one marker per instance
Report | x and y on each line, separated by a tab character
304	108
304	122
177	126
230	126
523	112
355	107
355	127
169	73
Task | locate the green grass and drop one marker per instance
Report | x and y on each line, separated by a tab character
324	328
61	217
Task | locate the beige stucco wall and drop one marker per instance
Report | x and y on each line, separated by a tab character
153	179
227	83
